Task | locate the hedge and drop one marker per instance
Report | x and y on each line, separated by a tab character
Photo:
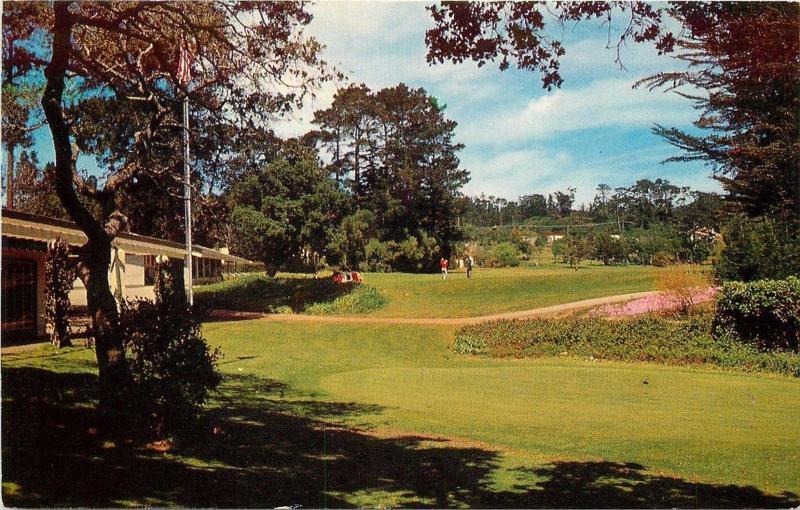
763	313
648	338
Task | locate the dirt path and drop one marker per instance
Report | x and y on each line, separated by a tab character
547	311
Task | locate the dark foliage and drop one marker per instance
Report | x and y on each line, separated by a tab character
259	293
514	32
59	275
758	248
172	368
745	55
763	313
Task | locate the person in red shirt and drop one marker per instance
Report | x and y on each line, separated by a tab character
443	265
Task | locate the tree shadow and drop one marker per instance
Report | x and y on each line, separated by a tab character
604	484
263	444
271	294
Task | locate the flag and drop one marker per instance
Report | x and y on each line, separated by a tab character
183	73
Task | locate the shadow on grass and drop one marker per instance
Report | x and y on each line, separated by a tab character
263	294
271	448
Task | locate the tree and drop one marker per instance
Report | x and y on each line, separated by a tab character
574	250
516	32
127	53
280	209
348	129
563	202
759	248
33	189
349	240
21	116
535	250
607	248
533	206
745	55
394	150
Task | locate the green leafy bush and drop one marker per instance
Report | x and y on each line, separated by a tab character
759	248
59	276
504	255
764	313
662	259
649	338
412	254
173	370
470	345
260	293
363	299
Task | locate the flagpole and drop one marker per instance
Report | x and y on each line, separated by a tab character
187	196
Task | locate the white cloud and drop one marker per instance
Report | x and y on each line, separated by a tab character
601	104
519	138
510	174
514	173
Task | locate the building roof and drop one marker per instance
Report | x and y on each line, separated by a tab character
22	225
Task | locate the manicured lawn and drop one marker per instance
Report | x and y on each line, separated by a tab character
388	415
503	290
427	296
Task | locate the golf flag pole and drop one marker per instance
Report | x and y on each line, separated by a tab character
183	79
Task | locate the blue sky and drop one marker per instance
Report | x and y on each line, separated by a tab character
519	138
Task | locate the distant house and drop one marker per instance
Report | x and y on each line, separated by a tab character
553	238
25	238
704	234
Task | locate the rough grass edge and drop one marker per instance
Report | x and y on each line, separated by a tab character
516	339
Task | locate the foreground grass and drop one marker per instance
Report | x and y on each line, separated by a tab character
391	416
427	296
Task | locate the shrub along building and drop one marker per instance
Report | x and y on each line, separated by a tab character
25	238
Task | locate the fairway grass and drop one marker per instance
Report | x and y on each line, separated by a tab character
491	291
389	415
410	295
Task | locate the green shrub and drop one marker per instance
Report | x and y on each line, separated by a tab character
662	259
172	368
764	313
470	345
759	248
59	276
412	254
380	257
504	255
649	338
363	299
260	293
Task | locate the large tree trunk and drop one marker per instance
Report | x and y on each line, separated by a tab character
111	364
10	176
95	255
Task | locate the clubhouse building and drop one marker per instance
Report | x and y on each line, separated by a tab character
25	238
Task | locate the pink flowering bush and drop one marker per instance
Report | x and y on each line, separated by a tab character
658	303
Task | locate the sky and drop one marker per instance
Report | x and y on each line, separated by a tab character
519	138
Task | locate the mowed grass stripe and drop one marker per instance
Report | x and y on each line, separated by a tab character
502	290
406	295
714	425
